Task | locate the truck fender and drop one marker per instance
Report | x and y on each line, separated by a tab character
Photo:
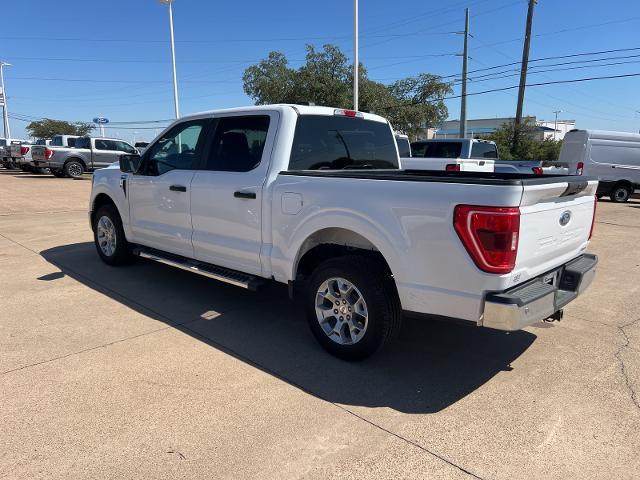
342	228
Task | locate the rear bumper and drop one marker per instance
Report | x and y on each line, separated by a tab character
540	297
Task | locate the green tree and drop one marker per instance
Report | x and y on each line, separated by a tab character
47	128
326	78
529	147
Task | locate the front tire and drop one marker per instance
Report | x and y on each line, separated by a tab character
73	169
353	308
109	238
621	193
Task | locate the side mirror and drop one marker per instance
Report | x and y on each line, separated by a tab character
129	163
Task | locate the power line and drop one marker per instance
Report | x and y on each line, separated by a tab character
507	74
538	84
556	57
590	96
93	80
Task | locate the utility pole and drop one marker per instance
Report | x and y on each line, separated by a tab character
173	58
523	70
355	55
465	59
555	126
5	112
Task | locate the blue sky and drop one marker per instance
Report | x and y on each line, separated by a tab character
76	60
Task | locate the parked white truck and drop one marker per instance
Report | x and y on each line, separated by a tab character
457	155
313	197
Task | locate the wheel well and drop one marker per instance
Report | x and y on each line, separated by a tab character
101	200
625	183
332	243
76	159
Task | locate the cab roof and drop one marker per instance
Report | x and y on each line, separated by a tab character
299	109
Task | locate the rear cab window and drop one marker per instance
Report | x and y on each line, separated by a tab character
483	150
323	142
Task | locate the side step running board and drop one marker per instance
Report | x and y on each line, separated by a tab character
221	274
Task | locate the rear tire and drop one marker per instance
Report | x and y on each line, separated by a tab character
621	193
73	169
368	312
109	238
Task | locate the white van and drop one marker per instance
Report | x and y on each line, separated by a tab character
612	157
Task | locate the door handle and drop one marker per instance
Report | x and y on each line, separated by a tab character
178	188
251	195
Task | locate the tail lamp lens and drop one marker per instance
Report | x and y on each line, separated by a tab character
48	153
580	168
490	235
24	150
452	167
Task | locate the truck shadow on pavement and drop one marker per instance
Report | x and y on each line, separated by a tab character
428	368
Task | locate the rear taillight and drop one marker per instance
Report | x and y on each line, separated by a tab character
580	168
452	167
48	153
490	235
24	150
593	219
537	170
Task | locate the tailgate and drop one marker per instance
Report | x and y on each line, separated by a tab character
14	150
555	222
37	153
476	165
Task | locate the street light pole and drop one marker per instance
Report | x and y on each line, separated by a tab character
173	57
355	55
555	127
5	112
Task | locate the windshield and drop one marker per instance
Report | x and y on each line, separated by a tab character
324	142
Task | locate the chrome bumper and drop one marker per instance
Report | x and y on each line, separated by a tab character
539	298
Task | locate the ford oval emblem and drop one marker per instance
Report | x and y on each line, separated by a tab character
565	218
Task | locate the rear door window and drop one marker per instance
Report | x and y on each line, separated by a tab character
84	142
238	143
323	142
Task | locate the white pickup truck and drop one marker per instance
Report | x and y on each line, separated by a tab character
457	155
313	197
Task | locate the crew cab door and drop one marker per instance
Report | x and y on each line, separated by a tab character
160	192
105	152
227	191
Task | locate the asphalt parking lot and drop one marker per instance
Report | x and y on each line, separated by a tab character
149	372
